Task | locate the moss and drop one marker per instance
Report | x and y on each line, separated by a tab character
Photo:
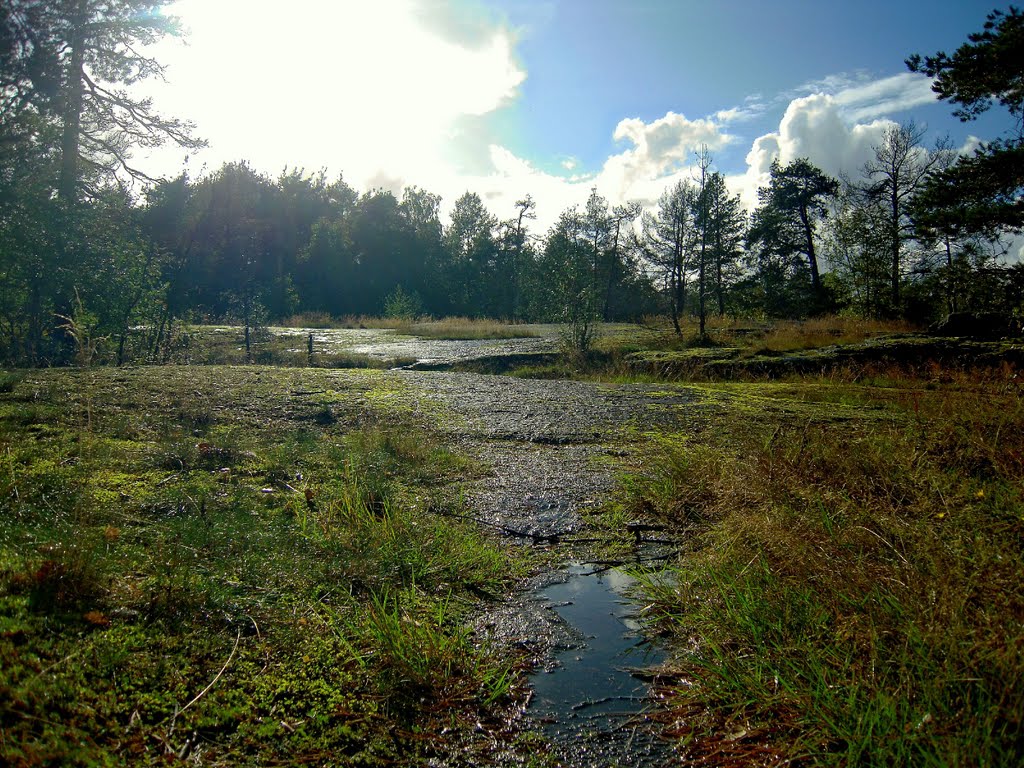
178	543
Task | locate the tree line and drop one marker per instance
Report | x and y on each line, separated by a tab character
914	233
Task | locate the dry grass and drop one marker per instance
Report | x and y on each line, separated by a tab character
325	320
759	336
826	331
853	594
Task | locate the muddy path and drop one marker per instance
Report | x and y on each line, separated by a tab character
553	450
553	446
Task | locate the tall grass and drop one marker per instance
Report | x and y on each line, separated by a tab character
219	573
759	336
825	331
854	592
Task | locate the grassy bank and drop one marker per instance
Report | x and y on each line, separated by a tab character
236	566
852	590
839	348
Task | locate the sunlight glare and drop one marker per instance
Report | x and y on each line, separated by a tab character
364	87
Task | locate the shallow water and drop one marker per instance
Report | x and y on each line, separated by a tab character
386	344
589	703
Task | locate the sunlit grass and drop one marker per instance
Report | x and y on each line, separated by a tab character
210	564
852	592
825	331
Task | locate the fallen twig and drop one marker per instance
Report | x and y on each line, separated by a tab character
551	538
213	682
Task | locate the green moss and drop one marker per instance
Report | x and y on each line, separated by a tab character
178	581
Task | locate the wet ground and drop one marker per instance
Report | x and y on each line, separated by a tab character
387	344
588	697
553	449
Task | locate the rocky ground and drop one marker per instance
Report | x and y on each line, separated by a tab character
553	449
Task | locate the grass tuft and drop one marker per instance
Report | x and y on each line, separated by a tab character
853	594
207	570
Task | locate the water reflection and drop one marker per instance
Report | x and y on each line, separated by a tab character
590	701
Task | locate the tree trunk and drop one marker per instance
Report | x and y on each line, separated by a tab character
677	303
812	257
719	256
35	324
67	187
951	302
894	235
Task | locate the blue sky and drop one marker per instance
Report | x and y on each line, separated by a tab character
554	97
591	63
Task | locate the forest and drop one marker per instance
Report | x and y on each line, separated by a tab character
917	232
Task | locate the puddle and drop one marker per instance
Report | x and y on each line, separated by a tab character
589	703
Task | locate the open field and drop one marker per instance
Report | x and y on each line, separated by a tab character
240	564
206	562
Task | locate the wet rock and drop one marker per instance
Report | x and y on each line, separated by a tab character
978	325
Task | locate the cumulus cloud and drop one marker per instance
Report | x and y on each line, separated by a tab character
811	127
835	130
667	142
661	151
835	125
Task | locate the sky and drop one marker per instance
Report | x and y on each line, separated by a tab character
553	97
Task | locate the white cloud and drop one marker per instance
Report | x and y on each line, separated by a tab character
668	142
364	88
660	152
812	127
752	108
836	131
885	97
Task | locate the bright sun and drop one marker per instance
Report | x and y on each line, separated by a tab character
367	88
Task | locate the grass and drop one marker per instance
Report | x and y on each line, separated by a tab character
852	593
236	566
325	320
842	348
819	332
